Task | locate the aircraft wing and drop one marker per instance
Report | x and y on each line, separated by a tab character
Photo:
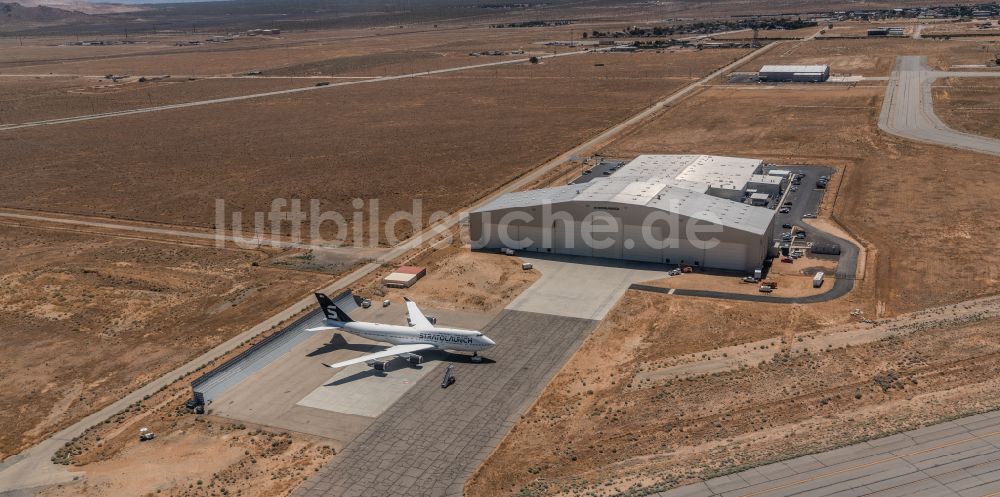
417	318
389	352
322	328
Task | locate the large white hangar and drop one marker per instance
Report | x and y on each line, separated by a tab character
672	209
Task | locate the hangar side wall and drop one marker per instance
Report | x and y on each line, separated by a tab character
569	230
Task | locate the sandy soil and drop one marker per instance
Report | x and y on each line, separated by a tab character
460	279
34	99
85	319
961	28
446	140
599	431
374	52
873	57
794	280
969	104
770	34
205	455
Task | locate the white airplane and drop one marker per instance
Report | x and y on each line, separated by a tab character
421	334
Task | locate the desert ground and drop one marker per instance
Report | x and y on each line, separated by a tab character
139	307
205	454
89	316
609	431
212	454
28	99
592	432
969	104
446	140
876	57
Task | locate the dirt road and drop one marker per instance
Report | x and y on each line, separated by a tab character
754	353
105	115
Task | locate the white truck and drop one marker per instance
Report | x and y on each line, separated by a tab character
818	279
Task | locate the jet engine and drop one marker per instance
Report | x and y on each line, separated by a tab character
379	365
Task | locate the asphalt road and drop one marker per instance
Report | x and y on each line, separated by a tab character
908	107
432	439
957	458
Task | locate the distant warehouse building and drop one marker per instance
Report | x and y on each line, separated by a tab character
672	209
799	74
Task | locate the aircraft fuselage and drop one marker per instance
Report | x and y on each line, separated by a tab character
442	338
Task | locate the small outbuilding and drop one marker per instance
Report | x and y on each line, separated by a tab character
404	277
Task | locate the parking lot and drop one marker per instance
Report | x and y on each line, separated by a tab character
805	199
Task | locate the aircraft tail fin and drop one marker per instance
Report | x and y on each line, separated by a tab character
336	309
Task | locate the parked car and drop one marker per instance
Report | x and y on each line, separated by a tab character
588	171
810	215
788	202
800	235
766	289
786	226
784	210
787	259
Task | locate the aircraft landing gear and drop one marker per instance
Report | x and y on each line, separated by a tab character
476	357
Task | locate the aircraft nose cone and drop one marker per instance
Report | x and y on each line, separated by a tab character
490	341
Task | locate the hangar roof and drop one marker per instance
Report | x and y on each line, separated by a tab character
766	179
795	68
672	183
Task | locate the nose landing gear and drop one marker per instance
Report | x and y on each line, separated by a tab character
476	357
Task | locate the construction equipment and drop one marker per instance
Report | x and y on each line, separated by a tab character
145	435
772	284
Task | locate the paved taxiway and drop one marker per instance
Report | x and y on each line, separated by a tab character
908	107
957	458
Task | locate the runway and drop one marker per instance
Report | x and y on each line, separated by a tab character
908	107
957	458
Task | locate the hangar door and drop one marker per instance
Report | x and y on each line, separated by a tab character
566	238
607	234
727	256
